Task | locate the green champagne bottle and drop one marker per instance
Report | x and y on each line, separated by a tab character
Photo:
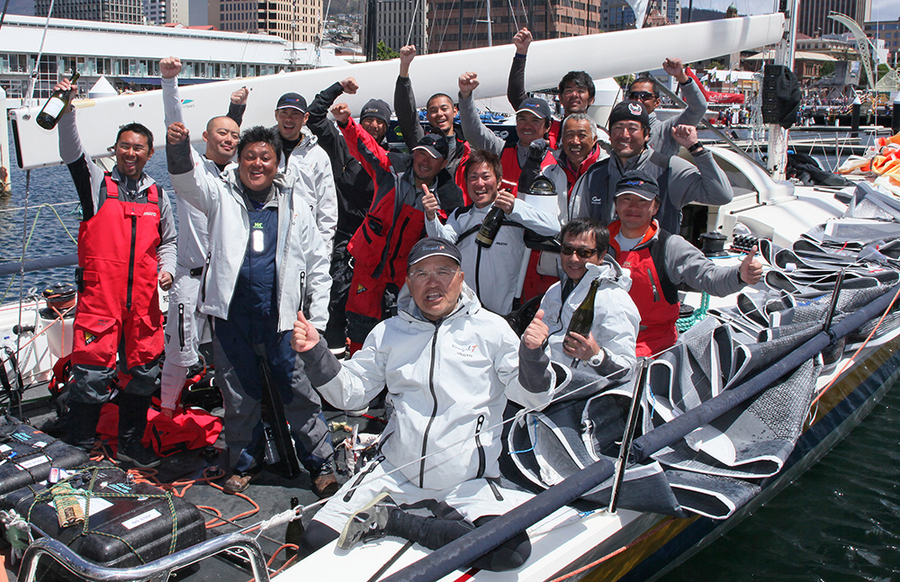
489	228
56	106
583	318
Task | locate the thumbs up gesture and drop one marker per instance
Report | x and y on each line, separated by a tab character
305	336
751	269
537	332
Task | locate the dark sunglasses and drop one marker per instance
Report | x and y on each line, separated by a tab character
583	253
641	95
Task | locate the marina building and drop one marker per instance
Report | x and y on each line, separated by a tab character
128	55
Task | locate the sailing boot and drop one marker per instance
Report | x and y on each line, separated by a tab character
132	423
82	422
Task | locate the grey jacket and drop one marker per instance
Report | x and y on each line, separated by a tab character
704	182
661	139
302	260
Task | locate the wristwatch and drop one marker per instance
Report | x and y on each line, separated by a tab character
597	359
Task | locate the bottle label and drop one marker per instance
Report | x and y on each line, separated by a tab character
54	106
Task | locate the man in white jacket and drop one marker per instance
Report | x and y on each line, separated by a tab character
449	366
304	160
494	270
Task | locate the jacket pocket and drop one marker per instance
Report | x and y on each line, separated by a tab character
95	339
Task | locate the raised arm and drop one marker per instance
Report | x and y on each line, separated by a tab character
405	101
361	144
86	175
515	88
188	179
704	181
323	128
476	132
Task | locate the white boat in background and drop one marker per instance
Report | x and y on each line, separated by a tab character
602	543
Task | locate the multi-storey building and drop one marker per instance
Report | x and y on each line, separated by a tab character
293	20
889	32
399	23
812	19
120	11
156	12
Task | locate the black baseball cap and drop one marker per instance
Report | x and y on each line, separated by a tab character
535	105
433	246
637	183
292	101
629	111
434	144
376	108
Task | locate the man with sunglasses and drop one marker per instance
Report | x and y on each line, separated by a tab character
449	366
662	263
610	345
680	182
643	90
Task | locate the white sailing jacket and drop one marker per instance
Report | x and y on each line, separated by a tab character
448	382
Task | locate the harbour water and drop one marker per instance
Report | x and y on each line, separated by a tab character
839	522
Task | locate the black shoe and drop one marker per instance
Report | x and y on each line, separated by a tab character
138	456
369	523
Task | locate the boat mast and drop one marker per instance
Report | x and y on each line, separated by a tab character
784	55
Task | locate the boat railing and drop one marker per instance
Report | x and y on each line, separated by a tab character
156	571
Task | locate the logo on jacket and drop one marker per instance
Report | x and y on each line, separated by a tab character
149	213
360	289
466	351
89	338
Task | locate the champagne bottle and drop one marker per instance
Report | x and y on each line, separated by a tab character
56	106
294	533
488	231
583	318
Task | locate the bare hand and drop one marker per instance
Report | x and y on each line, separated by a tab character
537	332
239	97
167	412
675	68
350	86
522	39
165	280
169	67
751	269
430	203
468	82
685	135
177	133
64	85
578	346
341	114
407	54
505	201
305	336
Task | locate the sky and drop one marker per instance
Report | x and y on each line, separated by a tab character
881	9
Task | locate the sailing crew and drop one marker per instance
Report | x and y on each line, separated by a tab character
609	348
578	150
680	182
303	160
493	271
449	365
185	325
643	89
662	263
355	190
576	88
267	259
396	219
440	113
126	253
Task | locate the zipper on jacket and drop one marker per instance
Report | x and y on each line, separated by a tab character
302	290
479	446
397	249
478	272
205	272
181	325
653	285
437	326
131	262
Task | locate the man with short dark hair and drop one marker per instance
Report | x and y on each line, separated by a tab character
609	346
267	259
304	160
576	88
680	182
662	263
396	219
643	89
449	366
126	249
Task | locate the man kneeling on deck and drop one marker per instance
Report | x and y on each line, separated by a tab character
449	366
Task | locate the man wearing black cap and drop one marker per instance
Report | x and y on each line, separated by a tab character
304	162
662	263
680	182
449	366
395	221
354	191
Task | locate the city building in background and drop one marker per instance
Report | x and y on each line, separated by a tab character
120	11
889	32
399	23
295	21
813	15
